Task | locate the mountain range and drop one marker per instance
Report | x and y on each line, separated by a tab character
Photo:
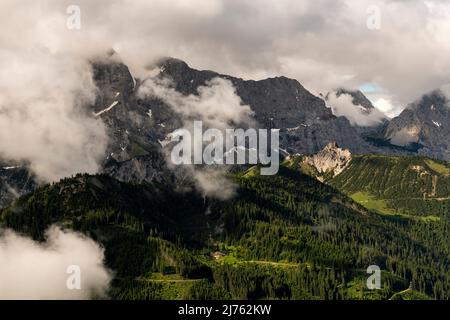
137	126
346	197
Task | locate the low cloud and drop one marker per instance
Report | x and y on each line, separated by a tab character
405	136
43	115
445	90
385	106
32	270
210	181
218	106
343	105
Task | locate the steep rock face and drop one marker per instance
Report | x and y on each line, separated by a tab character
283	103
365	118
306	124
358	98
330	159
425	123
134	126
138	126
277	102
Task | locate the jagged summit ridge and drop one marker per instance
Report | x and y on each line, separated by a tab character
331	158
358	98
425	123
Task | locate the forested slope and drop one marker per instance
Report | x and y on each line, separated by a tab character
408	186
286	236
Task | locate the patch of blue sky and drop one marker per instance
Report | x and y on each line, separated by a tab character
370	88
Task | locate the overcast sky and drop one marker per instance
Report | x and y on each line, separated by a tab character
322	43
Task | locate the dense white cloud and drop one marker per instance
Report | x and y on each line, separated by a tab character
217	103
42	119
385	106
218	106
31	270
343	105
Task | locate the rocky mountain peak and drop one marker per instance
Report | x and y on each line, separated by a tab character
358	98
425	123
172	65
330	159
332	145
435	98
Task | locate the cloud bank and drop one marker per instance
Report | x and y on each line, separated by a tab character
343	105
217	103
218	106
42	117
324	44
31	270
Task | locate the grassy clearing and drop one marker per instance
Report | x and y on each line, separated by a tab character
430	218
237	262
409	294
380	206
170	286
278	264
438	167
231	256
357	288
252	172
372	203
164	277
176	290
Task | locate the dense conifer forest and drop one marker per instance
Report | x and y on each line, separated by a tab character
286	236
